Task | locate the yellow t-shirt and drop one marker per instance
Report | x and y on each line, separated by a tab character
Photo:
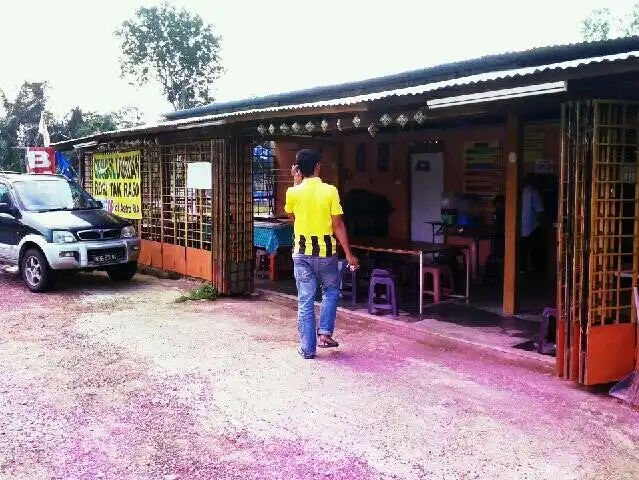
314	204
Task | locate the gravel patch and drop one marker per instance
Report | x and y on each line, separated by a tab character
101	380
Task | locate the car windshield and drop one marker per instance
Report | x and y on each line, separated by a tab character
48	195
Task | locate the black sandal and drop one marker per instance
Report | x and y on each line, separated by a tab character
305	356
326	343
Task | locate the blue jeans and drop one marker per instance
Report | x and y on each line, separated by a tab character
309	273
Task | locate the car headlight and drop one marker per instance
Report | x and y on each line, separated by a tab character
128	232
63	236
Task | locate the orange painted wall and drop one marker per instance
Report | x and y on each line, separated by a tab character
394	183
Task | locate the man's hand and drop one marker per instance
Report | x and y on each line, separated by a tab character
297	175
340	232
353	263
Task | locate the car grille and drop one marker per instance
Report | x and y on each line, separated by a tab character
92	235
119	252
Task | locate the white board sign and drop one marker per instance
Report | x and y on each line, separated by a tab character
198	176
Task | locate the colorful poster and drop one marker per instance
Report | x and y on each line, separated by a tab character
116	183
40	160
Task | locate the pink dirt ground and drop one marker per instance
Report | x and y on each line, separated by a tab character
118	382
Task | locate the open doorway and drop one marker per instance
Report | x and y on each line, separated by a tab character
427	188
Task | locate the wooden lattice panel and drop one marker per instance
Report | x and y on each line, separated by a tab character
579	215
264	179
572	255
613	234
185	212
219	213
205	233
598	240
151	190
562	247
240	204
86	172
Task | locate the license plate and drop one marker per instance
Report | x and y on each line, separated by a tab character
105	258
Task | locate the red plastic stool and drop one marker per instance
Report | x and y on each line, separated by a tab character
262	264
437	272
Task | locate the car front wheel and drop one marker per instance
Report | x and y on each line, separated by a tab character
36	273
124	272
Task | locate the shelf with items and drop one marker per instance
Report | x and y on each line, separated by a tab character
483	173
534	146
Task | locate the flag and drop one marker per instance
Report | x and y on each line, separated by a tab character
64	166
40	160
42	130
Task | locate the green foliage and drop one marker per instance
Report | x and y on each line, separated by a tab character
78	124
204	292
597	25
601	24
19	123
175	48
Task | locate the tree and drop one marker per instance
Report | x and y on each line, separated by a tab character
19	121
175	48
601	24
19	125
597	25
78	124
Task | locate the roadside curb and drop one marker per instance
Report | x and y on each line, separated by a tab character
291	301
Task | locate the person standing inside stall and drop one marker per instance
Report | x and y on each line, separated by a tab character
532	237
317	213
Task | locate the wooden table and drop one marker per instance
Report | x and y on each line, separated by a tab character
417	249
474	233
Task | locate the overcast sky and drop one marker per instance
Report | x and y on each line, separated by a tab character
272	46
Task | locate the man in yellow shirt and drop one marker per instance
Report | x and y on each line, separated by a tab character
316	210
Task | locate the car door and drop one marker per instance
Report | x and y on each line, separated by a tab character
8	228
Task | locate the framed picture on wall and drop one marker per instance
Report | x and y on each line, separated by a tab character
360	158
383	157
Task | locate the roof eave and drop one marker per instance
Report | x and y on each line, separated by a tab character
504	61
472	84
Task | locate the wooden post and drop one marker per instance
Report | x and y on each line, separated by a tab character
514	158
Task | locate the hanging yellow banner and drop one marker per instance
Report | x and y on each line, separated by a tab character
116	183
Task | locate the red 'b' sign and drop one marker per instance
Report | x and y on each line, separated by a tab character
40	160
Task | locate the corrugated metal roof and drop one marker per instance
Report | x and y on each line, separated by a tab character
484	78
430	87
489	63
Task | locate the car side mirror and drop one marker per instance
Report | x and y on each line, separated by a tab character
99	204
6	209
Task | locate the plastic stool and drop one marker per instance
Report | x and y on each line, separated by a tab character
547	335
385	279
349	284
262	264
437	272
